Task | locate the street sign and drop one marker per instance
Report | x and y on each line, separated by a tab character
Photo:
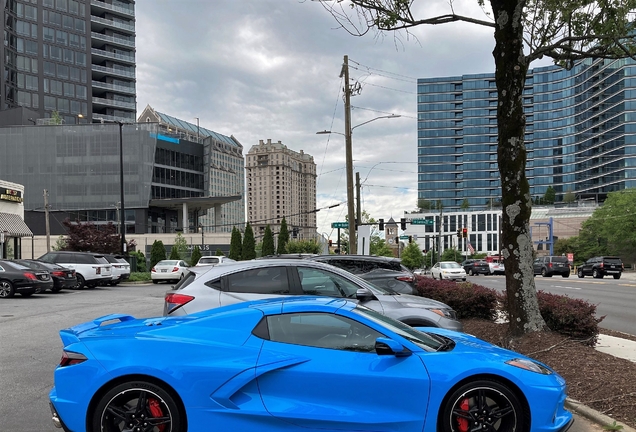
404	237
422	222
339	224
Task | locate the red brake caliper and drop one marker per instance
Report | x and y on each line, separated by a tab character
462	422
155	410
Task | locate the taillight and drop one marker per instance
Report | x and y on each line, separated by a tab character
176	269
153	270
70	358
549	264
98	270
601	266
58	273
405	278
175	301
30	276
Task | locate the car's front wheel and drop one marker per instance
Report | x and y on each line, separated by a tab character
6	289
137	405
580	274
483	405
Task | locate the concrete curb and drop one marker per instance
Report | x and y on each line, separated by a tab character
595	416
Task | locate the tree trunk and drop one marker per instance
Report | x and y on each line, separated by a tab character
511	66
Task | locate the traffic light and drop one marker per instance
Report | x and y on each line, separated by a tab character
459	234
411	239
381	224
403	224
330	243
465	232
397	240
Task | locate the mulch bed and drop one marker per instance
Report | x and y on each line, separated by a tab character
600	381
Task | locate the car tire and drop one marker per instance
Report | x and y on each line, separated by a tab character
56	289
618	276
123	399
596	274
81	282
580	274
155	281
566	275
470	272
6	289
499	408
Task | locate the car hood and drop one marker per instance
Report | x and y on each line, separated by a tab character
408	300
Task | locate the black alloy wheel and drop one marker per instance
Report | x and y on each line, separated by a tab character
137	406
596	274
579	273
486	406
6	289
80	282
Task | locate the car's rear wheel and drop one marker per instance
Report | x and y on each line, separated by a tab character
470	272
80	282
544	273
56	289
617	276
566	275
155	281
6	289
485	406
137	406
596	274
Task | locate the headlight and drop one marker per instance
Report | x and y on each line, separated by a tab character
441	312
529	365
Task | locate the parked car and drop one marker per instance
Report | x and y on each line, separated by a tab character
62	277
121	268
547	266
168	270
383	272
91	269
476	267
212	287
599	267
496	268
305	363
213	260
448	270
17	278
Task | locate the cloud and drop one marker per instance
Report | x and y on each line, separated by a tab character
270	69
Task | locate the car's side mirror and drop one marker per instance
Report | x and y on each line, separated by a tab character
386	346
364	294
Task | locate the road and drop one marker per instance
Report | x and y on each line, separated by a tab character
616	299
31	348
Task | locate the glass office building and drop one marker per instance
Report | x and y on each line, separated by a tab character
71	57
579	133
79	168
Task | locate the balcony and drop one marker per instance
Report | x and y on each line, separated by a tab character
129	12
114	87
113	40
113	24
113	103
113	56
112	71
109	118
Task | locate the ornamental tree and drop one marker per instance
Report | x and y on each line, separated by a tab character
523	31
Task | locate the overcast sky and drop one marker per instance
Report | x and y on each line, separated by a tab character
269	69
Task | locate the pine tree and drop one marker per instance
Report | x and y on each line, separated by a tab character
283	238
268	242
196	256
157	253
236	245
249	244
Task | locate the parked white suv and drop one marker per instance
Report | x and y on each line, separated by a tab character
212	260
121	268
90	268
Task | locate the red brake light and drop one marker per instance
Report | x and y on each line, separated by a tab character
71	358
153	270
175	301
30	276
601	266
405	278
176	269
58	273
549	264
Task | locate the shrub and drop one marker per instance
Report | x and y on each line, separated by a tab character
141	261
467	299
568	316
139	277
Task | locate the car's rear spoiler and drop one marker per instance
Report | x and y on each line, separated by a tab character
70	335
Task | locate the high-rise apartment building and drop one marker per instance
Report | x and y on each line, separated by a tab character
71	57
579	133
281	183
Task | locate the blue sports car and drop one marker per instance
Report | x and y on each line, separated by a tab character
296	363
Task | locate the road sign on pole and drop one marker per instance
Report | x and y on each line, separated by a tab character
339	224
404	237
422	222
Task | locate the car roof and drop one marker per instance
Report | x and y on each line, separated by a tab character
358	257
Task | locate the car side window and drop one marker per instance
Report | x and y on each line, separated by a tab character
49	257
323	283
1	268
322	330
266	280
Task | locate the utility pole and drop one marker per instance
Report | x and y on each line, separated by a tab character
439	232
349	157
46	220
358	213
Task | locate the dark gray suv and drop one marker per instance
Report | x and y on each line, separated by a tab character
598	267
547	266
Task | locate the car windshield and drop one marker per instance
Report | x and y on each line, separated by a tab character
450	265
101	260
610	260
422	340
